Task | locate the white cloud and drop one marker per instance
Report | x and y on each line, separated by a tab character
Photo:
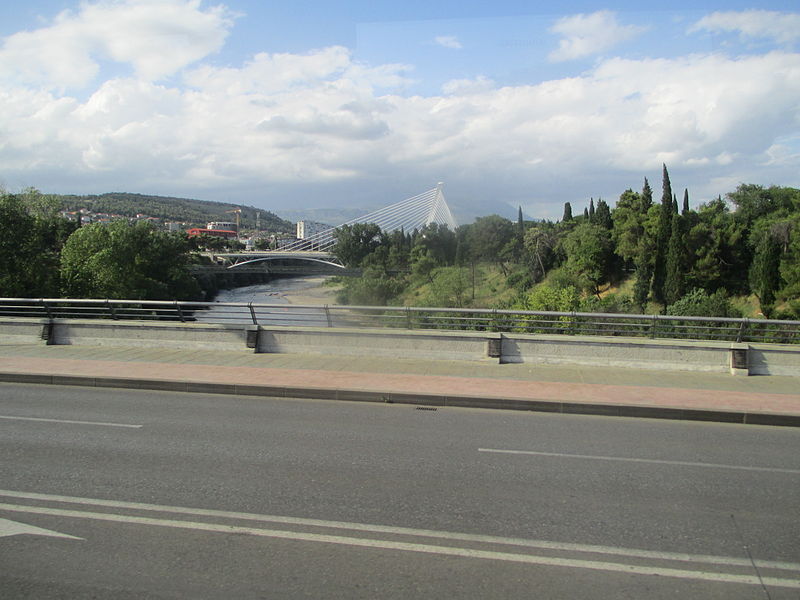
781	27
322	120
587	34
448	41
155	37
463	87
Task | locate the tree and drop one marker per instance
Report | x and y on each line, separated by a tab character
602	215
120	260
31	237
633	241
764	276
685	210
588	249
662	239
449	287
355	242
540	242
674	284
567	212
488	237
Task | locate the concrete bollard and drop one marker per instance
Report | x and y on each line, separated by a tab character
740	359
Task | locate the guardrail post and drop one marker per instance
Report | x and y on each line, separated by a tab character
653	329
742	329
409	321
111	309
47	310
328	316
180	312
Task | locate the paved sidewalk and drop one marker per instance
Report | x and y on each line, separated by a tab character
552	388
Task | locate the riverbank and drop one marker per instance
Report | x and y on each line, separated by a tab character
312	291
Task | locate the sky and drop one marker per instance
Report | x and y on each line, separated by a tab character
319	104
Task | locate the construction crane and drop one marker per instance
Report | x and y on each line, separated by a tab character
238	212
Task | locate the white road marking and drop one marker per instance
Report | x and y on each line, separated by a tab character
406	531
679	463
8	528
70	422
412	547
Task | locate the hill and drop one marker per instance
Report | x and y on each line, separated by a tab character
197	212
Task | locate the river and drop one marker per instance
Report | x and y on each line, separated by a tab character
283	290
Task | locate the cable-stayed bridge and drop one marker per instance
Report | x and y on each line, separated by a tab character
410	214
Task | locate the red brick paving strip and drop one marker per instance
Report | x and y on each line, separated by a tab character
622	395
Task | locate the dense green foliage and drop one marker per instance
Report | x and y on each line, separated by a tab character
31	238
666	258
672	259
120	260
45	255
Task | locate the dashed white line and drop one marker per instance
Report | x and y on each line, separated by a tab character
679	463
70	422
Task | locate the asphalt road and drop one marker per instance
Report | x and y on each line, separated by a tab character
168	495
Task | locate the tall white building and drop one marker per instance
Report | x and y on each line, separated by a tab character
306	229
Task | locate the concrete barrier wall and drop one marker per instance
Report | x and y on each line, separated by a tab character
774	359
23	331
198	336
762	359
437	345
617	352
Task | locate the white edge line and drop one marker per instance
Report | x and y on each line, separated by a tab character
679	463
426	548
364	527
70	422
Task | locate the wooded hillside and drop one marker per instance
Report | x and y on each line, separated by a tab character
197	212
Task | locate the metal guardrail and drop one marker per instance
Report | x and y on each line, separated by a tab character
448	319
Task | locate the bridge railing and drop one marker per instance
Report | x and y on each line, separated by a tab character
419	318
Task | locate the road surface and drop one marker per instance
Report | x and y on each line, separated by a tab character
132	494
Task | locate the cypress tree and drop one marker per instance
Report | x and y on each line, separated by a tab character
567	212
674	283
641	288
685	202
647	196
674	204
602	215
591	210
765	272
520	225
662	238
586	214
644	269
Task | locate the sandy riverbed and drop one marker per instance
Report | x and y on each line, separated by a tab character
312	291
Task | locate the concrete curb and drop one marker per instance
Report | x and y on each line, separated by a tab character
421	399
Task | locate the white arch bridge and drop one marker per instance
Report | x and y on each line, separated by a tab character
410	214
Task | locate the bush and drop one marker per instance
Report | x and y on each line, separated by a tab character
698	303
612	303
550	298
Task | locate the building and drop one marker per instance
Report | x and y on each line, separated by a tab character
307	229
223	233
225	225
